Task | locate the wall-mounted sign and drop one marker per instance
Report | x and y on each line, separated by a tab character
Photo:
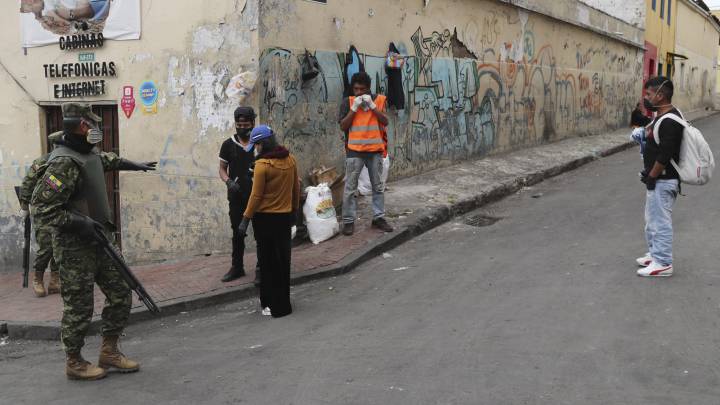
80	70
148	97
86	57
82	41
79	89
66	70
75	22
127	103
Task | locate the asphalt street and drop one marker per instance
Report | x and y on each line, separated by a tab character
541	307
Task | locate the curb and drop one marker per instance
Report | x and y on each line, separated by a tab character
423	223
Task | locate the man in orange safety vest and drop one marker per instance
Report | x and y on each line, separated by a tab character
363	119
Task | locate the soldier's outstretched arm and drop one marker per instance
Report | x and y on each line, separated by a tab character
53	191
113	162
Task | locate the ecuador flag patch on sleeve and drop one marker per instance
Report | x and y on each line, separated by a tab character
53	182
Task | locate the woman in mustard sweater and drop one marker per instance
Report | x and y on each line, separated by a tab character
274	199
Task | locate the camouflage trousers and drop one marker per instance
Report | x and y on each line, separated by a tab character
44	255
83	264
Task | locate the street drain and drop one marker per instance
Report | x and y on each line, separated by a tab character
481	220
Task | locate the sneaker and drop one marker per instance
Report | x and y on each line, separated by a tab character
644	261
348	228
382	225
656	270
266	311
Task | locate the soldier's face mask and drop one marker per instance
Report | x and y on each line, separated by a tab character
93	134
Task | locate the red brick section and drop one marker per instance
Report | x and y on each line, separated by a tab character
181	279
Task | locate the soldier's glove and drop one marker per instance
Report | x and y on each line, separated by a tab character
232	186
242	228
81	225
649	181
133	166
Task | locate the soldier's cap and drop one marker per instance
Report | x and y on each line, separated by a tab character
244	112
79	110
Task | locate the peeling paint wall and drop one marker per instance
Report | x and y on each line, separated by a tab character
480	78
695	78
632	12
191	51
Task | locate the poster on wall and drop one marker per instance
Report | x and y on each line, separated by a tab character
44	22
148	97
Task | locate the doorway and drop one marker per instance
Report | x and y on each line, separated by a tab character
110	143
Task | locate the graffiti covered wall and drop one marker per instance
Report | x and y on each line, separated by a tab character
497	81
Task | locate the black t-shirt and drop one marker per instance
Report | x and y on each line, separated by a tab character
344	110
670	134
239	163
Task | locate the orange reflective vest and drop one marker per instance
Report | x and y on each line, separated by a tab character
366	134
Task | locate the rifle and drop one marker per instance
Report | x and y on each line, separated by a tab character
26	245
124	270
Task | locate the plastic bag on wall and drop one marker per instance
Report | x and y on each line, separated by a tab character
241	86
364	185
320	215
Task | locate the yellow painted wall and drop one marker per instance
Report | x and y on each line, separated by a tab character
659	33
717	74
695	78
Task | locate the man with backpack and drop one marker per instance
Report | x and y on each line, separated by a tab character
661	178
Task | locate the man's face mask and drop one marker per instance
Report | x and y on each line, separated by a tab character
93	134
647	101
243	129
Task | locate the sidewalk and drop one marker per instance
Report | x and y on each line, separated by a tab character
413	206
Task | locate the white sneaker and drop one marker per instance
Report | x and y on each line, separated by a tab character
266	311
645	260
656	270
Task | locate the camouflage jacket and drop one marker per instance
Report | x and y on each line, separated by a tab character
36	170
60	180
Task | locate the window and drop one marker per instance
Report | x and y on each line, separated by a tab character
660	66
651	68
653	5
662	9
669	70
669	11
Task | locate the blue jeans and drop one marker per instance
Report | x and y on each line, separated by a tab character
658	220
353	168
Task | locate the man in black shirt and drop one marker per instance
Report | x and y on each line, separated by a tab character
660	177
236	164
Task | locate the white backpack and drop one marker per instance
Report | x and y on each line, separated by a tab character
696	158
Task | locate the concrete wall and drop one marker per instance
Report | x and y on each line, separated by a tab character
695	79
482	77
632	12
190	50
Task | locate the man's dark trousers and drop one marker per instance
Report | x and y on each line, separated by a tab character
238	203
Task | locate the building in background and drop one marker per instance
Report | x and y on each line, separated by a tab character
477	77
716	14
660	28
696	47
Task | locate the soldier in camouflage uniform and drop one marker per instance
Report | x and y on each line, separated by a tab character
43	236
71	199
